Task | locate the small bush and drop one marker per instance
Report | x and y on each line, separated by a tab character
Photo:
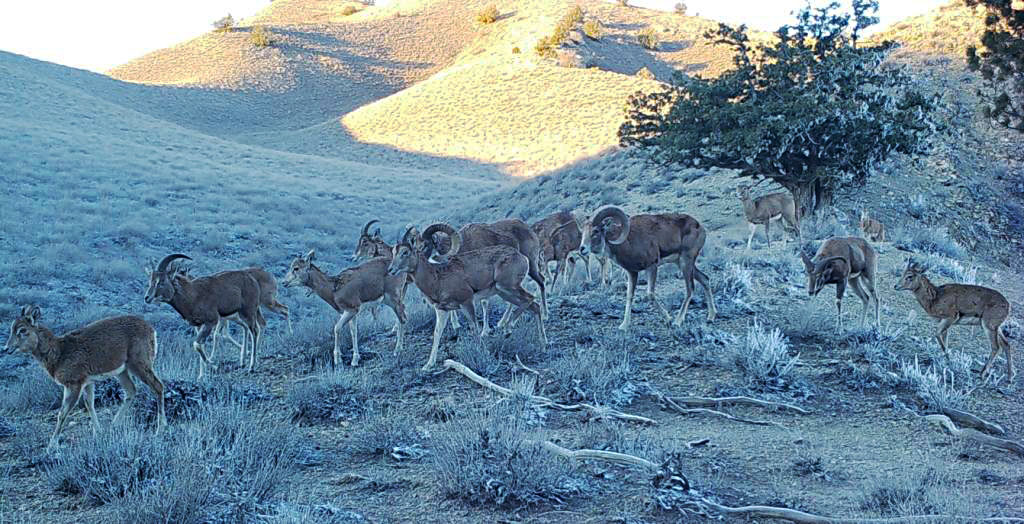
937	386
335	397
548	45
385	432
595	374
624	3
516	51
645	73
680	8
648	38
32	391
917	206
349	10
225	465
488	15
486	458
734	290
822	226
928	240
927	489
593	29
224	24
260	36
764	358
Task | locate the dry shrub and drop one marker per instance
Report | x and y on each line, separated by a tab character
593	29
648	38
488	15
260	36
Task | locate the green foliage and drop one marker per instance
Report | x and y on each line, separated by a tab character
648	38
488	15
593	29
812	111
260	36
224	24
1001	62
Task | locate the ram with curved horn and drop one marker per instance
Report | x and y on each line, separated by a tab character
642	243
453	279
371	245
844	261
473	237
560	237
956	303
204	301
347	292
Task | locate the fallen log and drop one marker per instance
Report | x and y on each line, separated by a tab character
974	435
599	411
671	404
964	418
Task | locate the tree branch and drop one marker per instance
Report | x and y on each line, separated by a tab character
599	411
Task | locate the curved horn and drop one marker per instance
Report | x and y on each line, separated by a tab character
366	227
819	265
409	231
160	268
445	228
565	225
616	214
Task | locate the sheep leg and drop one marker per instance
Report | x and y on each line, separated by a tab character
204	332
709	296
523	301
627	316
750	239
858	289
71	394
129	393
89	398
840	291
398	307
345	318
439	325
688	274
652	279
943	330
993	338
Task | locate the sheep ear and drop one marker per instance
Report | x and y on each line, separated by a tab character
33	314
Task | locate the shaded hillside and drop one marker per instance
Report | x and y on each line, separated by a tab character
126	186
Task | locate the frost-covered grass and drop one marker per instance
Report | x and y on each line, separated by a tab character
764	357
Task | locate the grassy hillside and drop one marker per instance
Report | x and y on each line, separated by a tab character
414	113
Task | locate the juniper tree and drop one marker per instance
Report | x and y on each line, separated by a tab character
812	110
1001	61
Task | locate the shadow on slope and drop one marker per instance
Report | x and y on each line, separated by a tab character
94	189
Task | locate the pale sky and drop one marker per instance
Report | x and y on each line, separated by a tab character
100	34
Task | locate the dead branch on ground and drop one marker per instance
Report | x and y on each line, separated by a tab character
599	411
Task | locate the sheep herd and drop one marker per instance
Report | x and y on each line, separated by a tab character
460	270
